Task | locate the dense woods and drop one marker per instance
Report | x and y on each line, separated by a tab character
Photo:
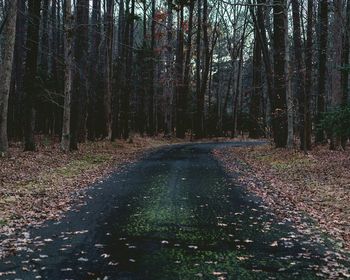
103	69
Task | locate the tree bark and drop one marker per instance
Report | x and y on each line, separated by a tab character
255	130
30	76
279	106
169	81
109	25
198	117
6	71
68	66
300	73
337	61
322	68
306	145
180	126
94	76
290	99
79	98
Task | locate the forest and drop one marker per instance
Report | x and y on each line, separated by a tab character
102	69
174	139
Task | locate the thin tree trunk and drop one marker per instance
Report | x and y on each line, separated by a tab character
337	60
169	82
308	78
180	126
300	77
279	105
151	111
322	68
198	70
109	68
290	139
68	83
30	77
255	130
6	71
94	77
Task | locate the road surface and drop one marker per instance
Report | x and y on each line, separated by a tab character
173	215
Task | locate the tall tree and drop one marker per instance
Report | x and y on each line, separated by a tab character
169	72
279	104
30	76
151	102
300	74
337	40
306	144
6	71
109	27
68	83
290	99
199	99
322	57
180	98
254	129
79	98
94	76
345	56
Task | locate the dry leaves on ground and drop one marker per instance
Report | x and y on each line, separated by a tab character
38	186
293	184
290	181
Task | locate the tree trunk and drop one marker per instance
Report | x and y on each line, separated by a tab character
180	126
198	70
254	128
337	61
322	68
6	71
345	57
45	38
300	76
279	105
68	66
79	98
94	77
151	112
30	76
308	79
169	81
109	25
290	100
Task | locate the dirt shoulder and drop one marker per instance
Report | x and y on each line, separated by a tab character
293	184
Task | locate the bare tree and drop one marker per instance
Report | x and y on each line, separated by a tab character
6	71
68	83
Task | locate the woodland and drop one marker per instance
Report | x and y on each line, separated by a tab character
86	70
94	92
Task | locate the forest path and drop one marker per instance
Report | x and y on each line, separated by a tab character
174	215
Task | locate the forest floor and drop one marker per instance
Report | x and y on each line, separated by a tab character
293	184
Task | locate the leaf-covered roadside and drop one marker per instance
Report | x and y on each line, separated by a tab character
39	186
297	187
317	184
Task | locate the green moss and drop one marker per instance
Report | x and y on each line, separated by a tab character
76	167
293	163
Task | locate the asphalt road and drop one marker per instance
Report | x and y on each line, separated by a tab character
174	215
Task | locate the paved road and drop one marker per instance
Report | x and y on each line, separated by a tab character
173	215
